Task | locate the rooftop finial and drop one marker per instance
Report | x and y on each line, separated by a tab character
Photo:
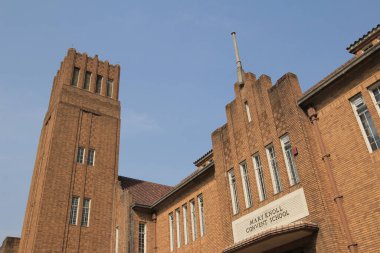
239	67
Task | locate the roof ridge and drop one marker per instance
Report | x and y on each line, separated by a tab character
136	179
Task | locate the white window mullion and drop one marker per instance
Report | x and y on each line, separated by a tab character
201	214
246	185
193	219
178	226
259	177
171	235
275	174
185	233
234	199
366	123
289	160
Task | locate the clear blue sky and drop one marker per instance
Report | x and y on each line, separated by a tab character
177	71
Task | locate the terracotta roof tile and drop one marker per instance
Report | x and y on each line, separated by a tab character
143	192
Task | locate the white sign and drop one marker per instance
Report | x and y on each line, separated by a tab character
282	211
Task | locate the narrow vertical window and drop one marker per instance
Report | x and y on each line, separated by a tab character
289	160
85	213
376	94
171	236
142	238
178	226
185	233
75	78
366	123
201	215
246	185
109	87
91	157
117	240
87	80
193	219
80	155
98	85
248	112
259	177
274	169
74	210
234	199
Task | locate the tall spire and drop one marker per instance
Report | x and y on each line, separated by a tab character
239	67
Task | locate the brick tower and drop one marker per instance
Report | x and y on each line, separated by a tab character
71	199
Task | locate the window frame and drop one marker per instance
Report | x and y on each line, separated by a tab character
193	220
75	77
274	169
178	227
185	226
109	90
98	84
360	122
142	239
171	231
259	175
87	80
86	213
233	191
290	161
248	111
74	210
89	156
81	152
246	184
202	222
371	89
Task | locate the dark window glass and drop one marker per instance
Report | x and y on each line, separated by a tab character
87	80
74	80
109	87
98	86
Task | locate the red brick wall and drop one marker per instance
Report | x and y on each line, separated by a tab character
355	168
76	117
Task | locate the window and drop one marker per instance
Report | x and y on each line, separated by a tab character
98	85
201	214
366	123
274	169
80	155
91	157
117	240
75	78
109	87
376	94
178	226
259	177
289	160
185	234
171	225
235	202
248	111
85	212
246	185
193	219
74	210
87	80
142	238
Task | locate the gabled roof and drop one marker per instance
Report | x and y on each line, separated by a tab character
143	192
351	48
205	156
335	75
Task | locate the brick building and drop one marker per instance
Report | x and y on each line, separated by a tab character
288	172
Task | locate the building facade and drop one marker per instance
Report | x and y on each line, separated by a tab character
288	172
